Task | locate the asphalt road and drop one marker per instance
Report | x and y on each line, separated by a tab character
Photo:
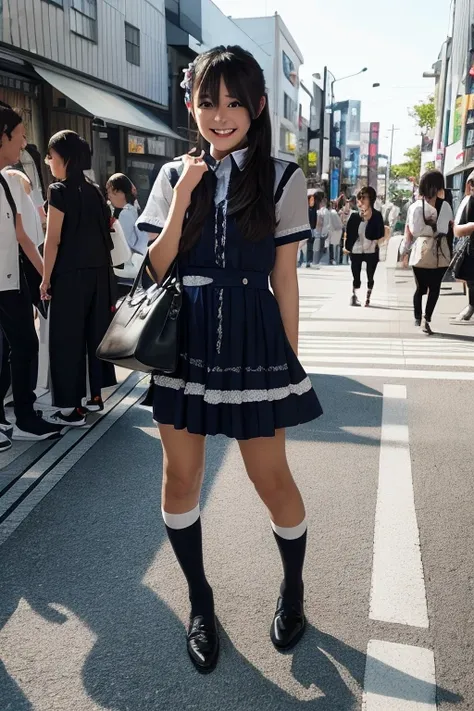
92	603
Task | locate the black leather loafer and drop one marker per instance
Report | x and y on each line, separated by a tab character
288	624
203	644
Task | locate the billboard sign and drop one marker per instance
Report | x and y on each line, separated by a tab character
374	135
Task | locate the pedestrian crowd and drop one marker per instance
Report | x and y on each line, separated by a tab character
56	263
224	223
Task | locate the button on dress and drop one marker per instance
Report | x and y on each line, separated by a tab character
237	374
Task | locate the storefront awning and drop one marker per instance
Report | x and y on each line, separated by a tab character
460	169
106	106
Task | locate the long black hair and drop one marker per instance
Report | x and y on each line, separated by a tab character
75	152
251	199
119	182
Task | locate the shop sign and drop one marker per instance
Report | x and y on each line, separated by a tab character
136	144
469	142
459	118
312	159
156	146
453	157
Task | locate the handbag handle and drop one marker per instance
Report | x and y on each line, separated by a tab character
172	272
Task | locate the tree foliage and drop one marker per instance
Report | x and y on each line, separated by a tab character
409	169
424	114
400	197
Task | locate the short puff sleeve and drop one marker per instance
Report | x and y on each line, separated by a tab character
292	211
155	214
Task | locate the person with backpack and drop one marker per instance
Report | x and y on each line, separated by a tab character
429	222
78	280
19	257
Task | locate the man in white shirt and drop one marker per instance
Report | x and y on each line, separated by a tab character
16	312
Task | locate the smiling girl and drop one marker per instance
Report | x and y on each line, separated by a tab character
234	217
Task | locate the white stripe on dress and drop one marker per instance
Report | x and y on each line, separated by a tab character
233	397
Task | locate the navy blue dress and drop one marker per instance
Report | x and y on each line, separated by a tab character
237	373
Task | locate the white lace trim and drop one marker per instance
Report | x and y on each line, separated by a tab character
292	231
198	363
233	397
196	281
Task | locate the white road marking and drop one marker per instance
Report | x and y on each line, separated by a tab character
393	360
399	677
398	587
57	472
314	369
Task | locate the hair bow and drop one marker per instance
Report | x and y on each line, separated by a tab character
187	84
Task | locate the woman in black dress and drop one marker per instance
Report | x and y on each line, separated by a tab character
79	280
234	216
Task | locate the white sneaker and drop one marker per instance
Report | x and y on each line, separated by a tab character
4	442
465	315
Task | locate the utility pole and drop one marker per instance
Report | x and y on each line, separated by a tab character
389	165
322	124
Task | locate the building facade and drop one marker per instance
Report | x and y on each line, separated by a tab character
99	67
453	143
281	65
345	147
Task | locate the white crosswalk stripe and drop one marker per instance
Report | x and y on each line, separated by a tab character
310	305
428	353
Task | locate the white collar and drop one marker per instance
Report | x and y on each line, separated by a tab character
238	156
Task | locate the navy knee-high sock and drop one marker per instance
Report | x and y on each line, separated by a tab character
292	545
185	535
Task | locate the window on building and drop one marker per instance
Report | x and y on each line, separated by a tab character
84	18
287	140
132	44
289	69
289	110
354	121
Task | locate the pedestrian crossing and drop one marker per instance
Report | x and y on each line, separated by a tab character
311	305
316	349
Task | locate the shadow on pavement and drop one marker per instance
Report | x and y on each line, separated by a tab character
85	554
319	669
347	404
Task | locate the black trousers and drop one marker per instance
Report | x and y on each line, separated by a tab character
428	281
371	261
80	314
20	352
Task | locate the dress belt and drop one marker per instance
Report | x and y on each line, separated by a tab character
201	276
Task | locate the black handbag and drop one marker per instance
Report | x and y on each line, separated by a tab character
144	333
459	255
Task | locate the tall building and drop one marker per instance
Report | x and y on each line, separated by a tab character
282	76
345	148
364	154
96	67
453	147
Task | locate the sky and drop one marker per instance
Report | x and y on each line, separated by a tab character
397	40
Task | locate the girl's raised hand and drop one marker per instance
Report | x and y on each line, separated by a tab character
194	169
